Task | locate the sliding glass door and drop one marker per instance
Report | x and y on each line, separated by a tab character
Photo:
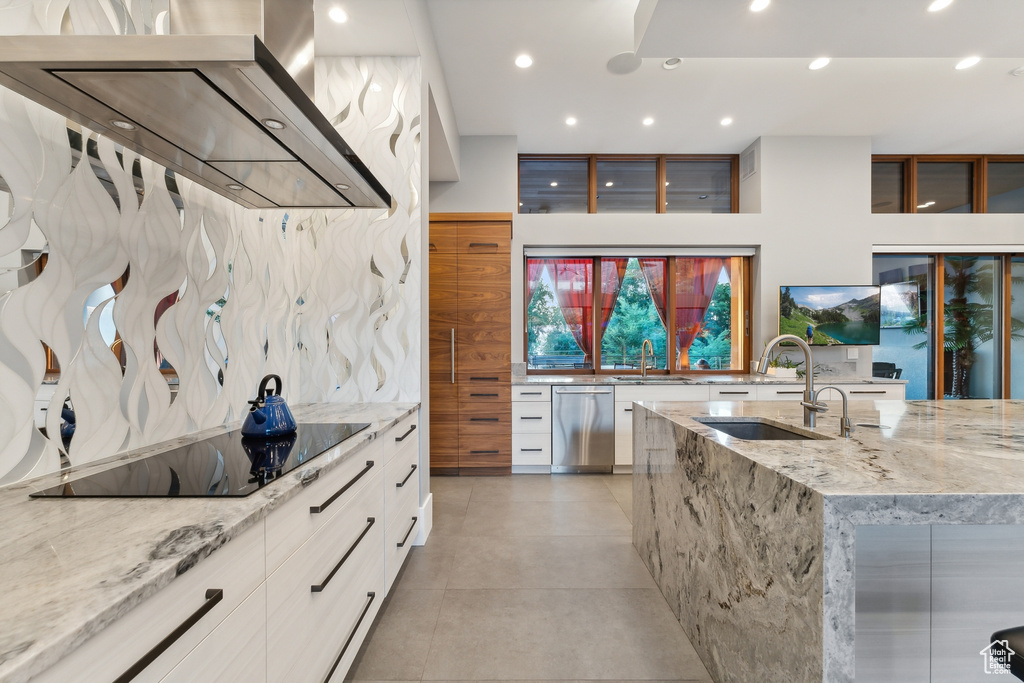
908	321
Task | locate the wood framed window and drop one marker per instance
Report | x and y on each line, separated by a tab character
629	183
947	183
591	314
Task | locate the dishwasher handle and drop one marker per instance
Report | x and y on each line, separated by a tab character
582	393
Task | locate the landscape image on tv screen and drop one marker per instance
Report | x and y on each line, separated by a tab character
833	314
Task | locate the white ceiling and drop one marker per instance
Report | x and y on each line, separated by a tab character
891	78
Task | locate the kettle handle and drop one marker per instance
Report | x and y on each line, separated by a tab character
264	391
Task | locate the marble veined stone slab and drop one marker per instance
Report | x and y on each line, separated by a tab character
70	567
753	542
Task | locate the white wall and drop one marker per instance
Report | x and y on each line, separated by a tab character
490	178
815	225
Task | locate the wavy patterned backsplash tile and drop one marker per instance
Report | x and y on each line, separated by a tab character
330	300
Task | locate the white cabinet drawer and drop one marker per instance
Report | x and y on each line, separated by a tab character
401	436
733	392
780	392
401	485
866	392
531	449
531	392
531	418
312	596
663	392
398	539
236	570
623	432
236	651
289	526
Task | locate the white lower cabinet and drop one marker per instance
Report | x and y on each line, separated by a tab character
624	397
855	392
312	599
198	600
236	651
531	425
290	599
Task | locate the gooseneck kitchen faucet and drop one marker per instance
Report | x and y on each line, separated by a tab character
643	356
808	402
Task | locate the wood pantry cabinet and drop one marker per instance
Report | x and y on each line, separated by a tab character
470	343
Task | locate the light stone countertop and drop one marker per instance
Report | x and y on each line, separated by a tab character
696	379
799	503
925	447
70	567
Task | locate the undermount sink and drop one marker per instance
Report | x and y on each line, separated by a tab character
755	429
664	379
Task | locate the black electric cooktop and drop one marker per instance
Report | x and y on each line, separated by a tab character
225	465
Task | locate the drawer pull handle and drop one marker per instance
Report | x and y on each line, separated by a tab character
323	584
483	244
484	452
627	410
402	542
400	439
531	393
531	450
483	379
348	641
531	417
867	392
406	477
213	596
581	393
314	509
734	393
780	393
485	395
483	419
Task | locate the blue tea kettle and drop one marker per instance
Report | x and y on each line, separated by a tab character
269	414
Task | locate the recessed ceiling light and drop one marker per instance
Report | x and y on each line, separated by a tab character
234	186
727	121
341	186
939	5
648	121
375	87
819	63
524	61
672	63
338	15
554	183
520	203
758	5
666	183
272	123
571	121
609	184
967	62
123	125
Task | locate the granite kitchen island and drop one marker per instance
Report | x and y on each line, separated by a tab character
767	550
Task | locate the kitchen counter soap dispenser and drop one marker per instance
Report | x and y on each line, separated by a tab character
269	415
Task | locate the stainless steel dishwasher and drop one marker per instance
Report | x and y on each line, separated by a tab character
583	429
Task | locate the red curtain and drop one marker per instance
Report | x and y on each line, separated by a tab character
534	268
612	272
574	289
695	285
655	272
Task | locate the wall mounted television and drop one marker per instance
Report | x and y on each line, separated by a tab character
831	315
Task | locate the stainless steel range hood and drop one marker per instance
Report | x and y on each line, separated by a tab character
219	109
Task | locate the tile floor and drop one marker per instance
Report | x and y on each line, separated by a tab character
528	577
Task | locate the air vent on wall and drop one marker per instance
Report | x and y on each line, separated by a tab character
748	162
